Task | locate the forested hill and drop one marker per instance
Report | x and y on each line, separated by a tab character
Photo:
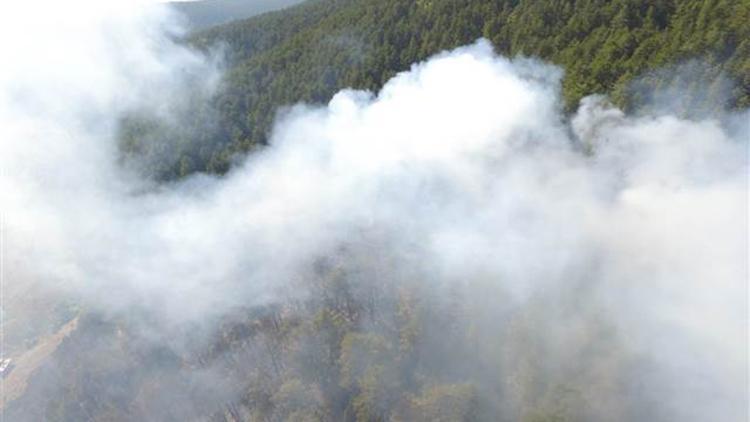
310	51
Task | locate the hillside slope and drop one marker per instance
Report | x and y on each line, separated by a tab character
458	248
308	52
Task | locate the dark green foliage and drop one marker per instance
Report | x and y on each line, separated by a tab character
309	52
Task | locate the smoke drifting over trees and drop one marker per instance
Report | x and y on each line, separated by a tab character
452	247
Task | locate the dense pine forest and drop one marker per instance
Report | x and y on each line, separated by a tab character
553	259
627	49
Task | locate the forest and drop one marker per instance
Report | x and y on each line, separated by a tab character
224	230
627	49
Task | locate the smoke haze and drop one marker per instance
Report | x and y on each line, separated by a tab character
460	175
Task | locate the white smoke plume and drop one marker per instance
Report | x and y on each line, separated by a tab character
465	164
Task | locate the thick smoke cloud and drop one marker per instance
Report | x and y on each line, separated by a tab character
463	169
